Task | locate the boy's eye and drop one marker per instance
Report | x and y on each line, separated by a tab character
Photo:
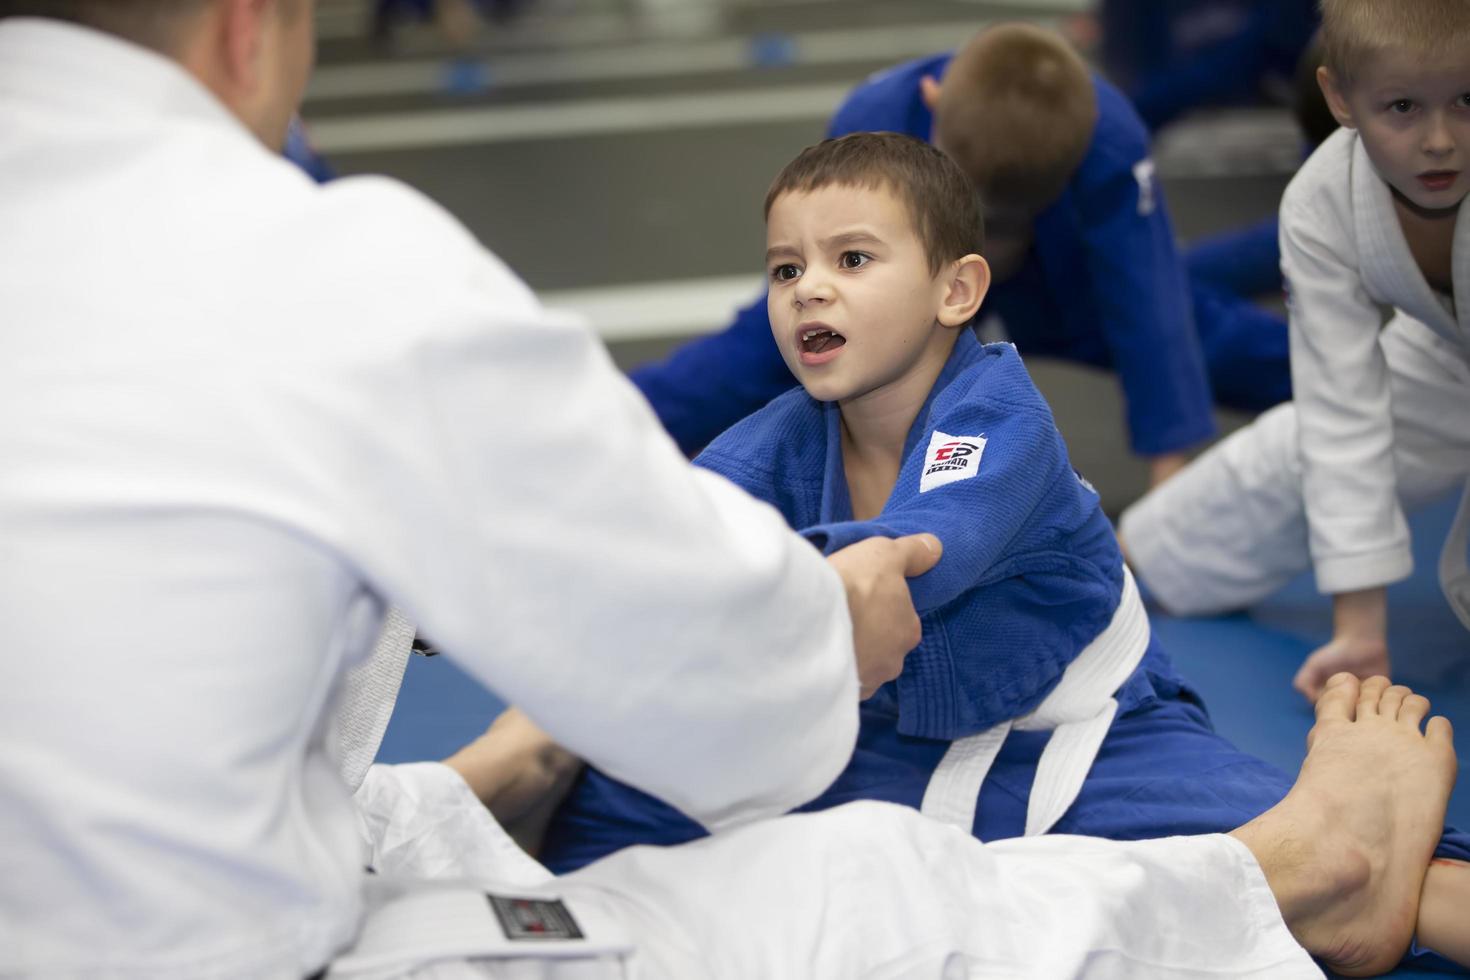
854	260
1464	100
785	273
1401	105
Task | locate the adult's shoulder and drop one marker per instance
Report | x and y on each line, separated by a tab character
365	270
890	100
386	226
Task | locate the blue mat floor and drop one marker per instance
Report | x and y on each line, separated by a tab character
1242	663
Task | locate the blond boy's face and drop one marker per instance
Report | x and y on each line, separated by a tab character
1414	120
853	303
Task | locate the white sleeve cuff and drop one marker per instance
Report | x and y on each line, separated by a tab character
1350	573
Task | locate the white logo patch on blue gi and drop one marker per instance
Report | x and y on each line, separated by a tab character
950	458
1143	172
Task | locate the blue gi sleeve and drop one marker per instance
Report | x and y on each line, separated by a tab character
1246	260
1010	459
711	383
1137	277
1030	571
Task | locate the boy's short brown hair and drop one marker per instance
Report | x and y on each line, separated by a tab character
943	204
1017	111
1353	31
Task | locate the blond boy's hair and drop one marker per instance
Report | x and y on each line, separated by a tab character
1017	111
1353	31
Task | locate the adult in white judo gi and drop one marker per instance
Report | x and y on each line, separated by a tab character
1376	218
225	438
231	430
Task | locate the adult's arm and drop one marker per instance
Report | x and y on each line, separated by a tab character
515	496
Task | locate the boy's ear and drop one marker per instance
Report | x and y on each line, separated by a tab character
929	92
966	286
1336	101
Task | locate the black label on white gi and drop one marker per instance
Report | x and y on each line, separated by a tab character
534	918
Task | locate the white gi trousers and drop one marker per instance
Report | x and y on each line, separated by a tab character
864	890
1232	527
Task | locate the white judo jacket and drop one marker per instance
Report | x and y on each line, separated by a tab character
1344	257
238	414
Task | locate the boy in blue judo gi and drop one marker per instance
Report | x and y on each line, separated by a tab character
1082	249
1037	700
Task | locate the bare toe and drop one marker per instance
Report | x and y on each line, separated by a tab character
1370	694
1339	698
1414	710
1440	731
1392	700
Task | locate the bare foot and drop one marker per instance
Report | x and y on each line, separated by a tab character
1345	853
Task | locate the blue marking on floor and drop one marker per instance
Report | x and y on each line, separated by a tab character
467	76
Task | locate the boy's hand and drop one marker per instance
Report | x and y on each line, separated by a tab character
1359	642
885	626
1364	656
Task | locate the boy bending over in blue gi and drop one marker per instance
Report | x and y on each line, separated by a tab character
1036	700
1082	250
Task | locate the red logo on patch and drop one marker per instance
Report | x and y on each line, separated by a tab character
950	449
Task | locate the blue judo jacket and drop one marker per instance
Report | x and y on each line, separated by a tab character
1103	284
1030	575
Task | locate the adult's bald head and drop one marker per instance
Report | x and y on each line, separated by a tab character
254	55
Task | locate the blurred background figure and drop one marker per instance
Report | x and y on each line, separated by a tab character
459	21
1175	55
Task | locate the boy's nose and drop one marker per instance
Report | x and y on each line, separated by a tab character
1438	140
813	289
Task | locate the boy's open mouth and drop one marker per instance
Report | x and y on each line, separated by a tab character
1438	180
819	340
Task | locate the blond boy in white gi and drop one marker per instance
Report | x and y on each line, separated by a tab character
1381	420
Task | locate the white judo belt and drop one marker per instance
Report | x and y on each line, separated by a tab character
1454	567
410	925
1078	712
